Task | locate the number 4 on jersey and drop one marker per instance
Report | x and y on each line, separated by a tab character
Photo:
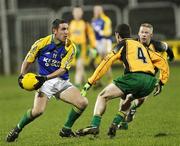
141	55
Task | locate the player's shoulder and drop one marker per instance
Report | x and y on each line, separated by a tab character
159	45
70	45
42	42
106	18
155	42
119	46
132	40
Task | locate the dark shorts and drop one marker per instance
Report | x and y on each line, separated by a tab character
138	84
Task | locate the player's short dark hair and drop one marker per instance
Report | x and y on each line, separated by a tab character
56	22
123	30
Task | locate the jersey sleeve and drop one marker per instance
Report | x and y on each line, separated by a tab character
170	54
91	35
161	64
105	64
159	46
107	31
163	47
36	47
32	54
168	50
67	60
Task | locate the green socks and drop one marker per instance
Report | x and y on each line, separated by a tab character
96	120
73	116
26	119
118	118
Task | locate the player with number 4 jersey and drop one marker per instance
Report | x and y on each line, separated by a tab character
138	79
136	59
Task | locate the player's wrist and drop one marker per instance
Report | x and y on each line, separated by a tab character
88	85
20	76
42	78
20	81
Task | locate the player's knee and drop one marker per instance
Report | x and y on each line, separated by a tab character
103	95
37	112
83	103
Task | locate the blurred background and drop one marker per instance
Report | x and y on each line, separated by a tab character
23	22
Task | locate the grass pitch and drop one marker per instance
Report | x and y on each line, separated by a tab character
157	122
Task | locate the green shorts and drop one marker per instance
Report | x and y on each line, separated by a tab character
78	51
137	84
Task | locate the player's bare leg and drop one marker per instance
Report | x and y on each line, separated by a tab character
79	76
72	96
131	113
110	92
120	116
40	102
136	104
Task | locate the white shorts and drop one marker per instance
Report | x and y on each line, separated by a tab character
54	87
103	46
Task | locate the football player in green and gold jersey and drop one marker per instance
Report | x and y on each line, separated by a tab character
138	80
145	37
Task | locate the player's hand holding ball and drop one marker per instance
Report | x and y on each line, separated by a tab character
20	81
41	80
31	81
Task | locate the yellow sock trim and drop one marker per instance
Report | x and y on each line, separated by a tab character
121	113
77	110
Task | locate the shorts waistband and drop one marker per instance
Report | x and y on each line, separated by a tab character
151	74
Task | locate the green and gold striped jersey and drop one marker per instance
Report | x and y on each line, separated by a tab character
135	57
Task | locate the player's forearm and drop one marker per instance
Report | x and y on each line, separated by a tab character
25	67
159	62
107	30
99	72
57	73
103	67
164	72
107	33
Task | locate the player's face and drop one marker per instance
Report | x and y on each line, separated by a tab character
77	13
97	11
61	33
145	34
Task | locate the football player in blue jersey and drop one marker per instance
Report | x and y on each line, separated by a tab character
54	54
102	27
